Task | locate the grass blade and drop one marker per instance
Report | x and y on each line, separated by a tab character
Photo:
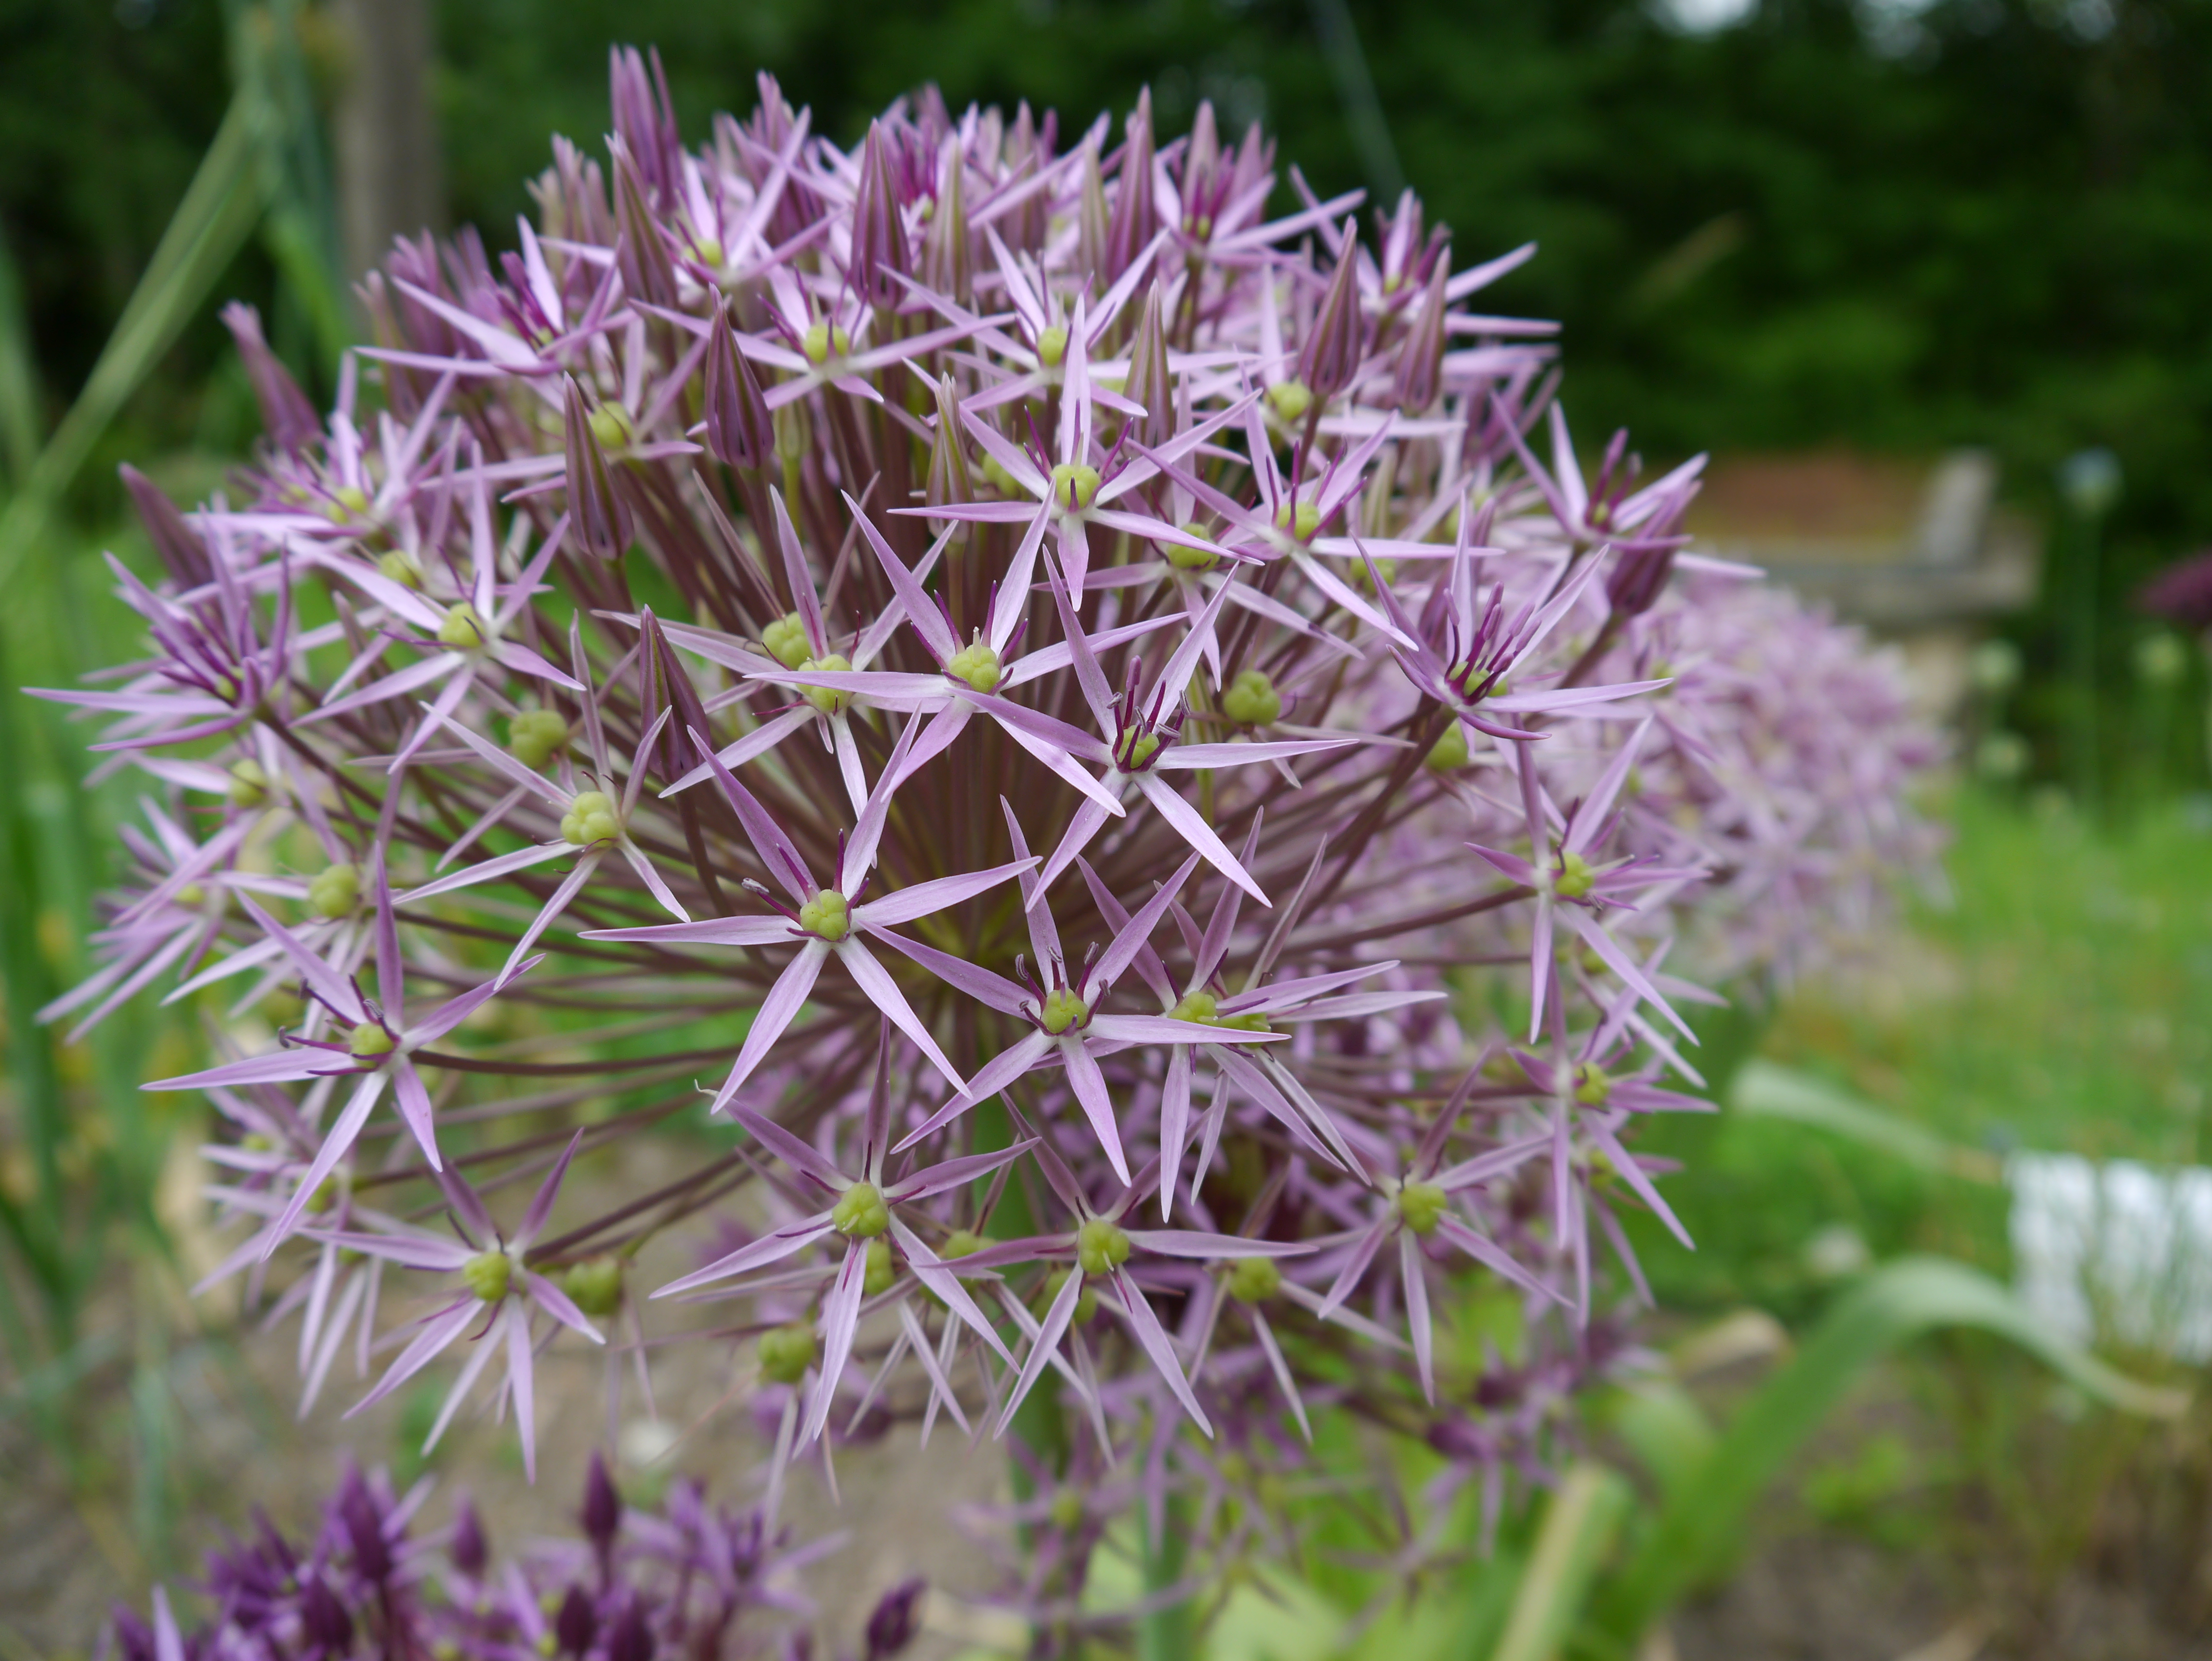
1579	1524
1700	1523
218	213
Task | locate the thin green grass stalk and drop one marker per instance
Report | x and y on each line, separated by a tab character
218	213
22	427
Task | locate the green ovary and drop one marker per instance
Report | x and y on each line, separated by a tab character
877	1278
595	1286
335	890
1300	519
976	664
1254	1280
591	819
1592	1084
249	784
787	1352
487	1275
1192	559
536	736
1289	399
1074	485
401	567
1135	749
1448	754
1061	1010
828	699
1574	878
786	643
1252	699
1101	1246
860	1212
463	629
610	425
1421	1206
1200	1006
827	916
1052	346
824	341
369	1042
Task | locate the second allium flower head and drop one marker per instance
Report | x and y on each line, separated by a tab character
1190	784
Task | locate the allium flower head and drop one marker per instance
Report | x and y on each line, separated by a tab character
1066	714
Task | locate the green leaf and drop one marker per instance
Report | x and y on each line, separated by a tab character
219	211
1701	1522
1763	1090
19	422
1579	1524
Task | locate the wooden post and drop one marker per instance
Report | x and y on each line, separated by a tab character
390	176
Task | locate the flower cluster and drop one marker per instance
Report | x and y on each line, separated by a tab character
1111	734
689	1579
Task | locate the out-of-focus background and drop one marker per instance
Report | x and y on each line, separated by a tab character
1933	282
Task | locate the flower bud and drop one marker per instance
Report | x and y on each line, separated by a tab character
603	1505
948	480
323	1619
286	415
740	429
896	1621
1330	357
946	247
469	1551
1148	383
182	553
1135	217
577	1623
879	244
1421	354
1637	576
640	251
598	520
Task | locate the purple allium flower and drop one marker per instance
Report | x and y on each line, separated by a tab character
686	1579
1137	642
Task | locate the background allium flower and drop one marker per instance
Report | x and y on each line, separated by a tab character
688	1578
1251	800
